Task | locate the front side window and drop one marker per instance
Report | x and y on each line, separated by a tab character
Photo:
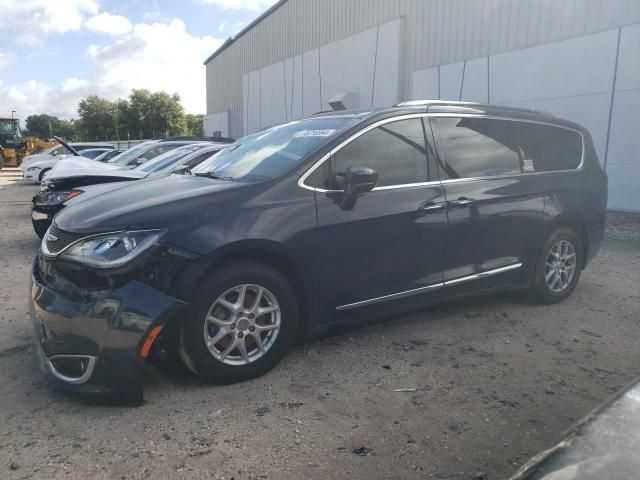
478	147
59	151
396	150
199	159
153	153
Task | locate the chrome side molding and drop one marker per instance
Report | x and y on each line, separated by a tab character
435	286
392	296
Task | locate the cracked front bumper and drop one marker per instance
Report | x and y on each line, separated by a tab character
90	341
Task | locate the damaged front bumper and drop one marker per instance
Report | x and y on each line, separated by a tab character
94	341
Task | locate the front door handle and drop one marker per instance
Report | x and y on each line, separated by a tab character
431	207
460	203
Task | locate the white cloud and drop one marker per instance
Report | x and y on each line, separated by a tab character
156	56
255	5
5	59
110	24
230	29
32	20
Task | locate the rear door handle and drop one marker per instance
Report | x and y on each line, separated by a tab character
460	203
431	207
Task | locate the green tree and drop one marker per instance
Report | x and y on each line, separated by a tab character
46	126
98	117
195	125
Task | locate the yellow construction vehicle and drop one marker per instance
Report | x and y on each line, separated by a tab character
13	146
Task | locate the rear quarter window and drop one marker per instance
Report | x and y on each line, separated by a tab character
551	148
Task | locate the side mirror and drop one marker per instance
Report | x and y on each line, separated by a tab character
184	170
141	160
357	180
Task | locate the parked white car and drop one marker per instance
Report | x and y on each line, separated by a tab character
58	152
36	170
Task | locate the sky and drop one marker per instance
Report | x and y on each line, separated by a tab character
53	53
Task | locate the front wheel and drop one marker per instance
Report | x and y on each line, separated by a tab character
42	174
559	266
242	322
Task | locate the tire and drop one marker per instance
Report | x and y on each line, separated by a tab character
560	284
40	227
42	173
222	286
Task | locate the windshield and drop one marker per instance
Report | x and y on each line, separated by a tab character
271	152
132	152
167	160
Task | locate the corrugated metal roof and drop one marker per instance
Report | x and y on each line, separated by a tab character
229	41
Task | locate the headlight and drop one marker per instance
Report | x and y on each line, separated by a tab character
112	250
31	169
56	198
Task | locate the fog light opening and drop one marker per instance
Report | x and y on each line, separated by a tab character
74	369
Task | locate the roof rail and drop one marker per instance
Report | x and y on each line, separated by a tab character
418	103
197	138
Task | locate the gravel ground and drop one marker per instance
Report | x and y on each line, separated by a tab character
491	381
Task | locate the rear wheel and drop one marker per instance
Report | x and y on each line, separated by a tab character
559	266
242	322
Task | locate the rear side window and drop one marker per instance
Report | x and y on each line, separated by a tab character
550	148
396	150
478	147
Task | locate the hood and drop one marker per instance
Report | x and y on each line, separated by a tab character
83	162
56	174
56	180
91	191
176	201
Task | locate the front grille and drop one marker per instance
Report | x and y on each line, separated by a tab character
58	239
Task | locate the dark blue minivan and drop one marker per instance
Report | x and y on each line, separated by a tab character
300	227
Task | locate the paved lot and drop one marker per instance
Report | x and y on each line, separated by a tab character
496	380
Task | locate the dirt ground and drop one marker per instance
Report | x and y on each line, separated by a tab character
496	380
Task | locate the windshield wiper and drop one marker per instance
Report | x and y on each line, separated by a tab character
213	175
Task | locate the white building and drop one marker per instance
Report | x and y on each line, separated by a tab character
578	59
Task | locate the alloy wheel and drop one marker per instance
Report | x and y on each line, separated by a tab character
242	324
560	266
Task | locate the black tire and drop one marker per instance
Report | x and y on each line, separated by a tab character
541	288
41	176
191	342
40	227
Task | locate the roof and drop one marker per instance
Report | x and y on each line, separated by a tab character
231	40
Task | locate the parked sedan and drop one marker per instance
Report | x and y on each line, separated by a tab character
36	171
47	203
304	226
130	158
62	151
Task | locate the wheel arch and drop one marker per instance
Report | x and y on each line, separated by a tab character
576	224
272	254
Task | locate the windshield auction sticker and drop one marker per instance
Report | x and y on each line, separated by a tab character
327	132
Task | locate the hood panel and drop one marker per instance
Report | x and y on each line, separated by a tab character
74	162
151	203
55	174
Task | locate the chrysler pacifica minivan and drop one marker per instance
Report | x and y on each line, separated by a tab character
303	226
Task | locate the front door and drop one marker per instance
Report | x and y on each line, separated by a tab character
390	243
